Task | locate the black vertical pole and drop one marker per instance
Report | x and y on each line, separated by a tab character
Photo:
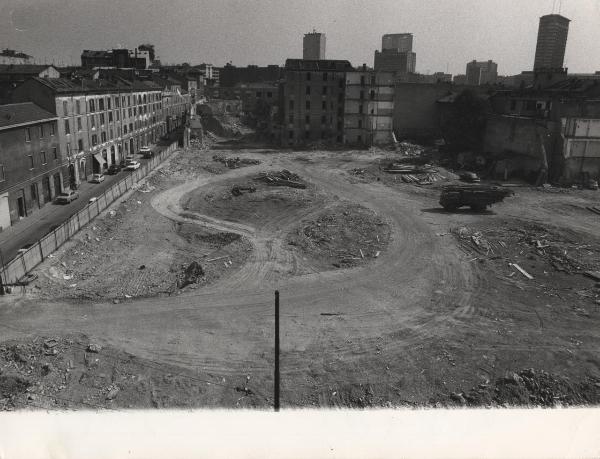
276	389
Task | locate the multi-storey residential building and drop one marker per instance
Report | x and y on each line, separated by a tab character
31	163
368	107
176	101
481	72
99	122
313	46
551	42
313	101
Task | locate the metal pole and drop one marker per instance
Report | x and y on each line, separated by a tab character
276	388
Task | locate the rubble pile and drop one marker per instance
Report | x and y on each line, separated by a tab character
191	275
235	163
345	236
530	388
409	149
281	178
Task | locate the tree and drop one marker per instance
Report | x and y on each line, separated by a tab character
463	126
148	47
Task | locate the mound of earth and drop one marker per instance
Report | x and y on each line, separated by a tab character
343	236
267	207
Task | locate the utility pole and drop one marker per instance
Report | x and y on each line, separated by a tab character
276	379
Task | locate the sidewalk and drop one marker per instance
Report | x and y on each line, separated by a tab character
32	228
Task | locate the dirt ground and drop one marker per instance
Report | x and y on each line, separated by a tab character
441	317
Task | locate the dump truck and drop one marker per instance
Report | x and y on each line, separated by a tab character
477	197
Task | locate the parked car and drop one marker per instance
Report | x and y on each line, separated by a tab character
67	197
97	178
114	169
146	152
470	177
132	165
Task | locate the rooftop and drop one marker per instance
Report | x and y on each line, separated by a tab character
22	113
64	85
32	69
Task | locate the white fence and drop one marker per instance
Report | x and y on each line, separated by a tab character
26	261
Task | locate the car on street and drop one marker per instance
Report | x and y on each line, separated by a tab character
97	178
114	169
146	152
132	165
67	197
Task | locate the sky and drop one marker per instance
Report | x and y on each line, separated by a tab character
447	33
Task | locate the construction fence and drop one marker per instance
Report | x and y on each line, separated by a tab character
18	268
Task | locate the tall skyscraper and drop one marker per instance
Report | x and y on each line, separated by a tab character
396	54
551	42
313	46
399	42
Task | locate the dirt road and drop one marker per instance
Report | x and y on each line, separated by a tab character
420	321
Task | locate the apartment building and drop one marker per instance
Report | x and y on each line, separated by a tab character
31	162
368	107
99	122
312	101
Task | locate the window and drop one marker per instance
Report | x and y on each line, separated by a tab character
67	127
134	111
79	124
55	153
308	90
65	108
34	191
360	108
307	76
258	93
30	161
373	80
125	129
109	102
128	101
2	175
41	131
103	136
291	104
93	120
94	140
324	105
91	103
269	95
130	127
43	156
307	105
101	103
111	134
78	107
323	119
80	144
324	90
27	135
324	76
359	138
362	80
362	95
359	124
129	111
291	118
372	94
110	116
117	114
102	119
341	83
51	129
117	101
290	135
307	119
69	150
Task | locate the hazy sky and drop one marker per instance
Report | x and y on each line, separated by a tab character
447	33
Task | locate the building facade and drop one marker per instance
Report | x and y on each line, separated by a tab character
398	42
551	42
312	101
99	122
10	56
368	107
481	72
313	46
31	162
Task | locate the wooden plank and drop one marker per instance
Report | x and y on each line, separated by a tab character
522	271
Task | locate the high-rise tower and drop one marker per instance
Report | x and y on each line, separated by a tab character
551	42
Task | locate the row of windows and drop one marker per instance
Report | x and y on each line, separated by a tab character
307	104
41	131
323	117
101	104
43	158
99	119
324	135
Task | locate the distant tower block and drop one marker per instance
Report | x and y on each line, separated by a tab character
551	42
313	46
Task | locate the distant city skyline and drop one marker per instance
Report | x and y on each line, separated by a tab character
447	35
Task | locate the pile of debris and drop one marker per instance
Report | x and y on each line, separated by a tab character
281	178
422	174
530	388
409	149
191	275
238	190
235	163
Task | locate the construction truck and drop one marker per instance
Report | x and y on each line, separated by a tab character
477	197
